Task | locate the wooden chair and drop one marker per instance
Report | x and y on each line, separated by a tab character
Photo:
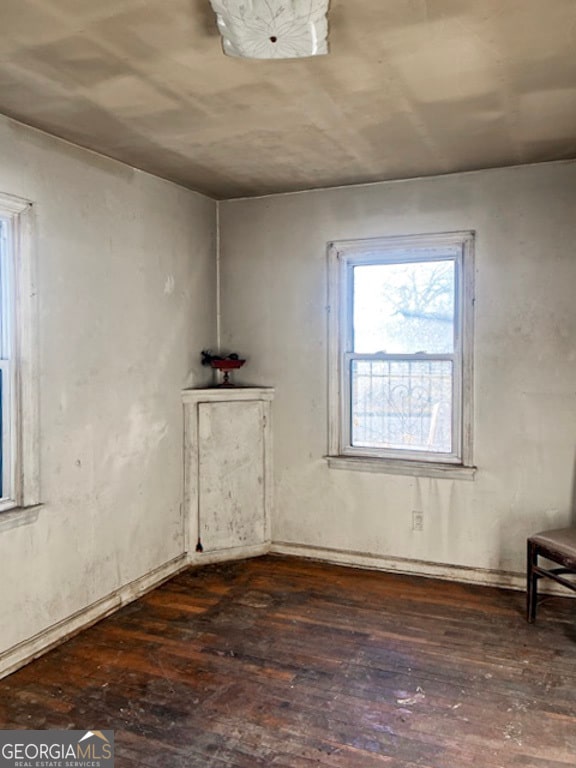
558	546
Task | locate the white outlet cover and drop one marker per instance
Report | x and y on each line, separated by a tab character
272	29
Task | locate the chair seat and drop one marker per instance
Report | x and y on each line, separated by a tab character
560	547
561	542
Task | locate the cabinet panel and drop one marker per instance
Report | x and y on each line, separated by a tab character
231	474
227	472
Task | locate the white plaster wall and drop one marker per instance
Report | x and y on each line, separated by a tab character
126	267
274	312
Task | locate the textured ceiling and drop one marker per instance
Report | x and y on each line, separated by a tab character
411	87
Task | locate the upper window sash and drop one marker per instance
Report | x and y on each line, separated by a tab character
349	263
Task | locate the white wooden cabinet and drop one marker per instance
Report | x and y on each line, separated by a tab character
227	472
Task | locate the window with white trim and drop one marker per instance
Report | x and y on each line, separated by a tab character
401	349
7	383
19	474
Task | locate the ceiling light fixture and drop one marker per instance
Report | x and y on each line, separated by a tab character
272	29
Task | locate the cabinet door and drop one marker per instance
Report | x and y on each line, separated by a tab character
231	474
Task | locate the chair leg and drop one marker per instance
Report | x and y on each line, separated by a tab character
532	582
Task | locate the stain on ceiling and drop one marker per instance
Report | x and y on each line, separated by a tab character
410	88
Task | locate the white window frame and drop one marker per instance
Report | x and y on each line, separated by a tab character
343	256
19	352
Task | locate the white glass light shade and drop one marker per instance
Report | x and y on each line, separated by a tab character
272	29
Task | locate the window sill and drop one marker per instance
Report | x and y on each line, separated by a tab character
19	516
394	467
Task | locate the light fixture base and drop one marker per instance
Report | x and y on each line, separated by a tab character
272	29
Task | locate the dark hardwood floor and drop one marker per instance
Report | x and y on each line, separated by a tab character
291	664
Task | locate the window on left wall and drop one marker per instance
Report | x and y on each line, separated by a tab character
7	388
19	445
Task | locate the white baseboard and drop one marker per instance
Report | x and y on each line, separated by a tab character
225	555
30	649
466	574
462	573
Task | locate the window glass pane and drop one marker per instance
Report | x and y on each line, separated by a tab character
2	286
2	434
402	405
404	308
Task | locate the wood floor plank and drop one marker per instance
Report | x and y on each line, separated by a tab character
287	663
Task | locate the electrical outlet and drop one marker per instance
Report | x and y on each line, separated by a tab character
417	520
